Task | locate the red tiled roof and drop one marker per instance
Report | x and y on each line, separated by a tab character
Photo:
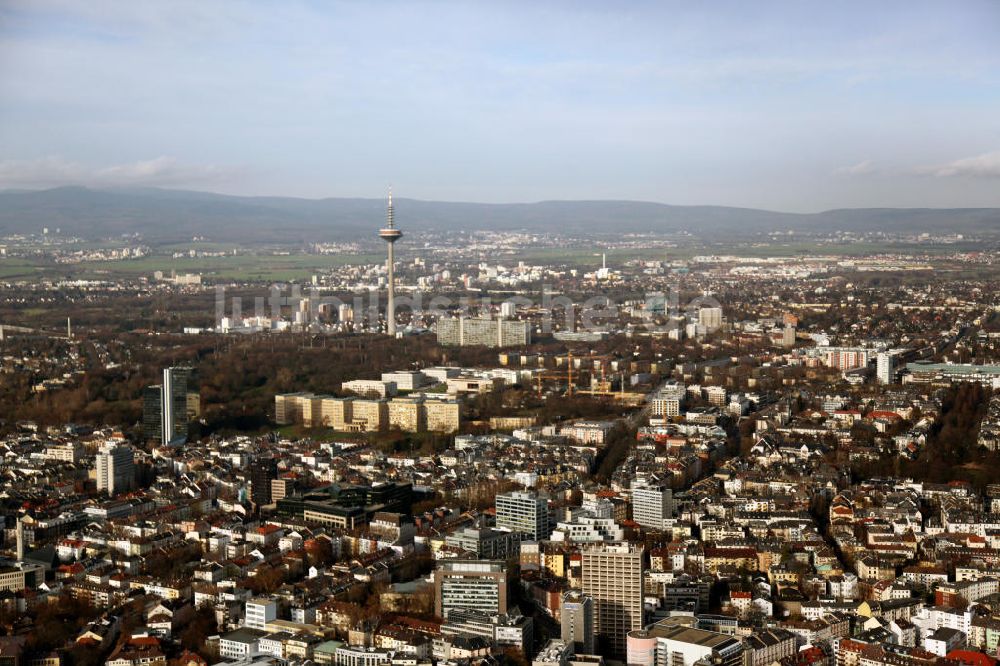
971	658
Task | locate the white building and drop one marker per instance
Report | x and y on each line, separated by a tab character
70	452
115	468
588	529
710	318
885	368
652	505
260	611
361	656
664	643
524	512
405	380
370	387
241	644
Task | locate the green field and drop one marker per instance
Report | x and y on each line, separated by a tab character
587	257
16	269
263	266
230	267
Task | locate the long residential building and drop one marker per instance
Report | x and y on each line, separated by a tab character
415	413
468	331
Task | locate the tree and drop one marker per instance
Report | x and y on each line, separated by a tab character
202	625
619	442
265	580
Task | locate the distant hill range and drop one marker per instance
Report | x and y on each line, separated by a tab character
177	215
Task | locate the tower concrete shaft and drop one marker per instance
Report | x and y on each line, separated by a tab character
390	308
390	234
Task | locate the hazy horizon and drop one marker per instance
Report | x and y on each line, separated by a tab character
783	106
402	199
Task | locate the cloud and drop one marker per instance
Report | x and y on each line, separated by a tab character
860	169
986	165
158	172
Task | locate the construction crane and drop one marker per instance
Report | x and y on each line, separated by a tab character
571	374
557	374
604	385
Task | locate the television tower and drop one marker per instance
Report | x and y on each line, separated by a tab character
390	234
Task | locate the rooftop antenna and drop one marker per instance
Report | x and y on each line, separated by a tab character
390	218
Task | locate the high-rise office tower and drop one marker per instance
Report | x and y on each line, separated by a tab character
474	584
175	416
577	622
612	576
115	469
885	368
262	471
524	512
165	407
152	412
390	234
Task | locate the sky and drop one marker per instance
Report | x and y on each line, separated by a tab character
796	105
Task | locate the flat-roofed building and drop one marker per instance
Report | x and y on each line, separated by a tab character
115	468
922	372
370	388
70	452
405	380
370	415
288	407
443	415
576	621
258	611
468	331
21	577
612	575
473	584
407	414
473	384
346	518
486	542
652	504
281	488
311	409
588	432
524	512
667	643
336	413
441	373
